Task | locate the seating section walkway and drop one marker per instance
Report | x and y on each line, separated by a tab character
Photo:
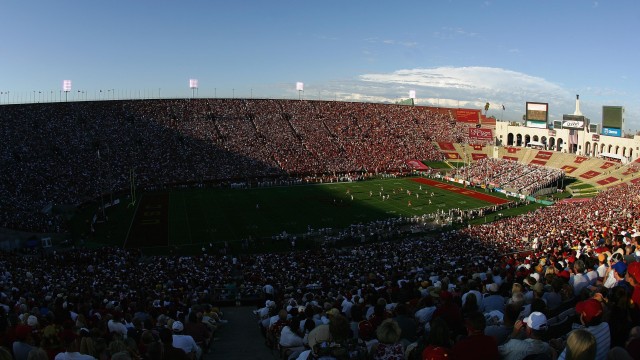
240	338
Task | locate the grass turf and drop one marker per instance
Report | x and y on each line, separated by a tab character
197	217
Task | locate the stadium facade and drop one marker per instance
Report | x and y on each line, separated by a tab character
580	142
574	134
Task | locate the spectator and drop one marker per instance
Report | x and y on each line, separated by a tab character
590	314
21	347
535	328
438	341
37	354
476	344
200	332
5	354
493	301
503	330
71	346
581	345
633	278
291	340
408	325
185	342
170	351
389	346
450	312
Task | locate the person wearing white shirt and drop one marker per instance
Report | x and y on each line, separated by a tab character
535	327
290	338
610	280
590	314
603	259
184	342
72	347
116	326
346	307
478	294
579	279
425	313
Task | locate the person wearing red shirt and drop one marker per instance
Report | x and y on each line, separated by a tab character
476	345
633	278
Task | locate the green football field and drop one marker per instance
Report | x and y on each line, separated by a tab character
197	217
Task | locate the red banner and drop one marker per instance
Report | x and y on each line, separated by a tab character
488	121
468	115
480	134
569	169
478	156
446	146
544	155
417	165
538	162
510	158
579	159
607	181
477	147
452	155
606	165
590	174
512	150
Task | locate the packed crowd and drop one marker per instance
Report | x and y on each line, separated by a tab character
70	153
531	285
508	174
507	289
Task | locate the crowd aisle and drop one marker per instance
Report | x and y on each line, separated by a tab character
240	338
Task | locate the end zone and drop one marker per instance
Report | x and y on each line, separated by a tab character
471	193
150	224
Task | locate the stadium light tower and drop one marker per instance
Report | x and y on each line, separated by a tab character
300	88
412	96
193	85
66	87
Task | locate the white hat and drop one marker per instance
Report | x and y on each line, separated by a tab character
536	321
493	287
177	326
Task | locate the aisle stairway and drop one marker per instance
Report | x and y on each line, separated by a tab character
240	338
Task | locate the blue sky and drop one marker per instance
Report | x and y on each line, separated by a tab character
452	53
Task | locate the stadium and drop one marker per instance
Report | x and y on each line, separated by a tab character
152	209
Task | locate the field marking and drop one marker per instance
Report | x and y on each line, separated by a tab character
133	218
464	191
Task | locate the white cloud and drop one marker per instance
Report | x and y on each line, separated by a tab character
453	32
472	87
405	43
471	81
460	86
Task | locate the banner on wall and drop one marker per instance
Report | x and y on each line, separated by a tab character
468	115
480	134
